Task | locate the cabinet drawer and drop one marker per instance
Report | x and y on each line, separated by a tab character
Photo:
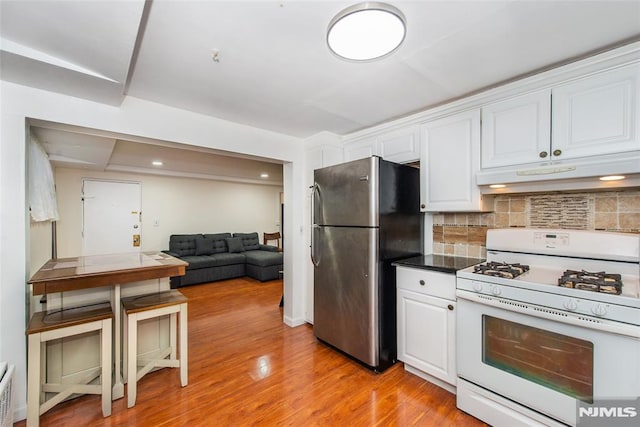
427	282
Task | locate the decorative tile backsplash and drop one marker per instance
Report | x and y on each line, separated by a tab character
464	233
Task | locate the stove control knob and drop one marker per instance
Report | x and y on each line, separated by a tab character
599	310
495	290
477	286
570	304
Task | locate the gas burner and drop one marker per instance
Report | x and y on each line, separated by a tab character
597	282
501	269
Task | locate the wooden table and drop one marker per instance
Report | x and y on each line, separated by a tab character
70	274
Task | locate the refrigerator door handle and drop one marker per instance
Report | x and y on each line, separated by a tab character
314	260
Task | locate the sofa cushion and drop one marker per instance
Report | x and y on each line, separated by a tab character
215	260
183	244
263	258
219	242
204	246
250	241
234	244
198	261
228	259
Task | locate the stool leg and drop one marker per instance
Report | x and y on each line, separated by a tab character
125	357
33	381
173	332
106	367
183	345
132	358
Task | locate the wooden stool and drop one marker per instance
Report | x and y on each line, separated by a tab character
148	306
46	326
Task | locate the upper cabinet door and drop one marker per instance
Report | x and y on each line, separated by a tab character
450	158
597	115
360	149
517	130
400	145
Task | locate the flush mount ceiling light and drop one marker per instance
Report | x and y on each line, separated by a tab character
366	31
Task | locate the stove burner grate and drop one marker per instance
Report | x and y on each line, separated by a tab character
596	282
501	269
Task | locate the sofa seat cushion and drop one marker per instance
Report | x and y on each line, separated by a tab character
215	260
198	261
227	258
263	258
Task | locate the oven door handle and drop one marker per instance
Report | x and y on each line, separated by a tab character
583	321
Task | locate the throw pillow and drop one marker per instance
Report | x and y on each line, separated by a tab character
204	246
234	244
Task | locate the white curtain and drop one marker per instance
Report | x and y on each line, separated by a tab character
42	191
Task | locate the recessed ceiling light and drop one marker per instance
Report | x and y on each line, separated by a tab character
611	178
497	186
157	163
264	175
366	31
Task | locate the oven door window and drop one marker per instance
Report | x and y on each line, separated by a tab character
556	361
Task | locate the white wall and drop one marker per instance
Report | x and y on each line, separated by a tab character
181	206
134	117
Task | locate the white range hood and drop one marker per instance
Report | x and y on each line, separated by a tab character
575	174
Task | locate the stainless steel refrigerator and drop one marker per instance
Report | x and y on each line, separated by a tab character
366	214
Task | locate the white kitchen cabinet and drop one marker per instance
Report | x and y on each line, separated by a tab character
426	325
516	130
360	149
449	160
597	115
400	145
592	116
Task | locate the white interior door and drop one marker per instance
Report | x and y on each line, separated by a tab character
111	217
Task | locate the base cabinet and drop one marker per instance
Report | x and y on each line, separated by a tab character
426	328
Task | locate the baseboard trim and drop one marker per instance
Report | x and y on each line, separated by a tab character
293	322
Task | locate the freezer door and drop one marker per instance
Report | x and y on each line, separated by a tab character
347	194
346	291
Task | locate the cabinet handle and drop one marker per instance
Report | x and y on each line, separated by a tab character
557	152
421	282
450	307
543	154
422	206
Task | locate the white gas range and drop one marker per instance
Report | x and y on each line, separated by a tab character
550	323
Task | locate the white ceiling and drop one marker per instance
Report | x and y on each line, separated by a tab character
275	71
70	147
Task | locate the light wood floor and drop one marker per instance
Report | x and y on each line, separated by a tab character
247	368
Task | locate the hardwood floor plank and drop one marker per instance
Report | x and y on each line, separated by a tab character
247	368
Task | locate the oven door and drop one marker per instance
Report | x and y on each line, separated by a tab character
544	359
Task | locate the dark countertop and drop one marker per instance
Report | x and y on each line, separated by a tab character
442	263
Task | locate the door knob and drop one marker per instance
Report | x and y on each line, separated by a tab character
543	154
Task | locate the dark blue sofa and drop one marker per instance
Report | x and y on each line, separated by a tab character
222	256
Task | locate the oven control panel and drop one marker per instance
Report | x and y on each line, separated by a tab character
539	297
550	240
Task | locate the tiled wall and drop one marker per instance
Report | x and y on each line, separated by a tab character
464	233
